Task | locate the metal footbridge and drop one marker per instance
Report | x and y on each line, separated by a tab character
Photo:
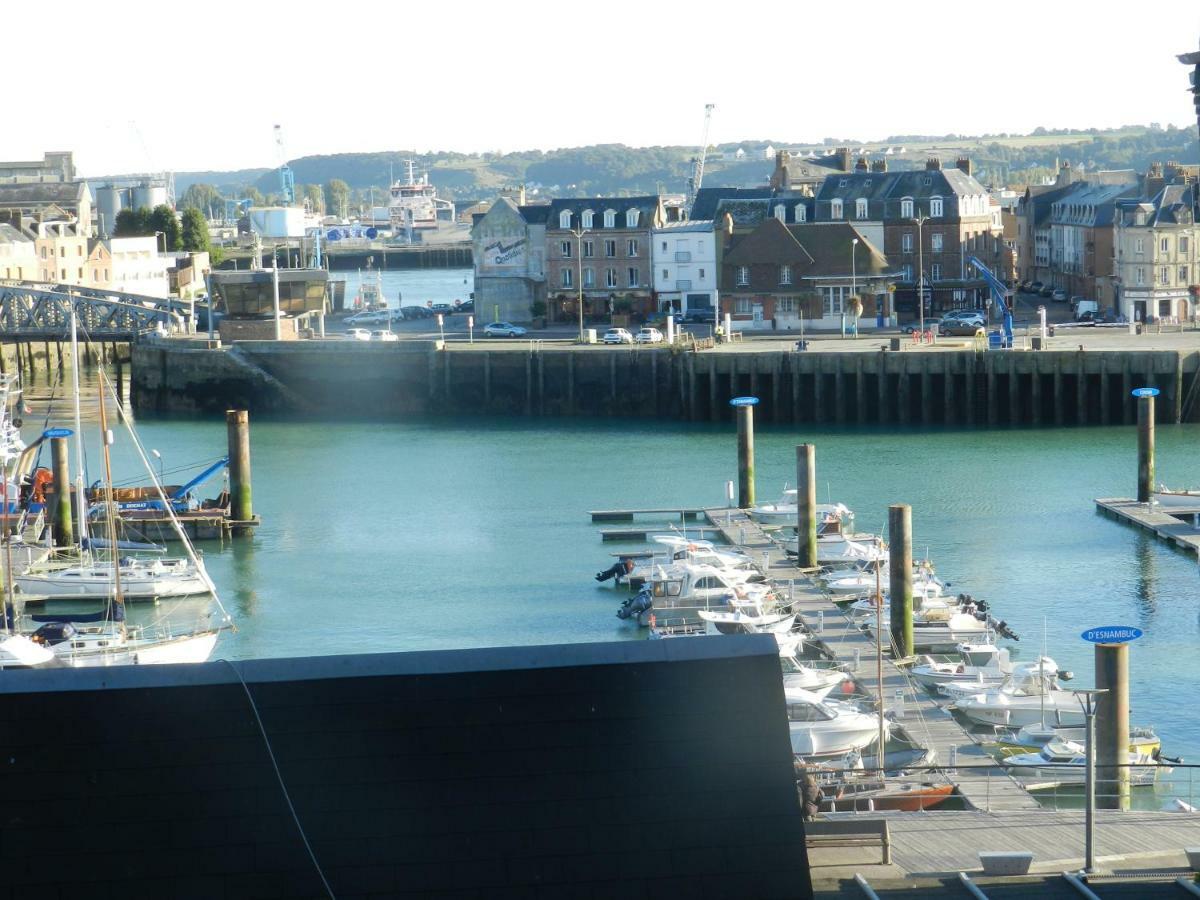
40	312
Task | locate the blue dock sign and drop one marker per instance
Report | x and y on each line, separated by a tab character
1112	634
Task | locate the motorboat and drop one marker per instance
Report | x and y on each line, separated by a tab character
1031	738
141	579
1169	499
1022	678
979	665
876	796
20	651
1015	705
798	676
821	727
677	595
749	615
832	518
941	630
924	585
1065	762
837	550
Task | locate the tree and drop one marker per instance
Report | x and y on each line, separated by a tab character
337	197
254	195
203	197
163	220
134	223
314	197
194	231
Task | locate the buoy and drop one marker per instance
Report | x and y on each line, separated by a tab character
847	687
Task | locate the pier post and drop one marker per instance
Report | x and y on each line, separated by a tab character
237	426
1145	419
64	530
900	577
1112	726
806	506
745	427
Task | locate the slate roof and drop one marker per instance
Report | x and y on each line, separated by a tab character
42	192
1175	204
10	235
1089	205
648	208
536	214
707	199
813	250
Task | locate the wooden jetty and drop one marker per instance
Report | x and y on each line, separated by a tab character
643	532
628	515
1169	528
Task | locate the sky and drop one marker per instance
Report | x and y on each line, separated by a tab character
134	86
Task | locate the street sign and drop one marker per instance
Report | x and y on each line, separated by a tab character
1145	392
57	433
1112	634
744	401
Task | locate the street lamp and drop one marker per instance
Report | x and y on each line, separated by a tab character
920	220
854	279
579	233
1087	699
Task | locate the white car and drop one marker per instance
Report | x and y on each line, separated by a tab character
617	336
383	336
357	334
503	329
649	336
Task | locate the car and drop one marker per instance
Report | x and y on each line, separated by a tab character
357	334
701	316
1035	287
617	336
963	314
503	329
1083	307
962	327
1058	295
932	323
374	317
443	309
1045	291
415	312
649	336
383	336
468	307
396	315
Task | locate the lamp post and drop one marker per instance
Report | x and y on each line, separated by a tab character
920	220
579	233
1087	699
854	279
163	235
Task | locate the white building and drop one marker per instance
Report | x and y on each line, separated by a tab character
136	266
684	258
1158	260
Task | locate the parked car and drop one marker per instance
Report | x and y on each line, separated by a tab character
963	314
503	329
1059	295
700	316
1036	287
415	312
1046	290
357	334
1085	307
649	336
383	335
374	317
444	309
931	324
617	336
468	307
397	315
961	327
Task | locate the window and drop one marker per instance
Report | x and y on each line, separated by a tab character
631	217
564	219
1183	246
842	182
1139	246
666	274
589	249
62	251
610	278
835	209
64	275
586	218
935	207
801	212
906	208
43	253
566	278
106	274
935	271
742	305
860	208
610	218
632	249
610	249
1164	275
664	246
1183	274
785	274
781	212
907	276
589	278
1140	275
565	247
786	305
832	299
701	273
743	276
906	244
633	276
935	242
1165	245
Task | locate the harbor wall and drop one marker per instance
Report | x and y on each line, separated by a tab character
633	769
946	388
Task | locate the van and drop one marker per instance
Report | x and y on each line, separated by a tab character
1085	306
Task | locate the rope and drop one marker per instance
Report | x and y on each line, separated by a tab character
279	777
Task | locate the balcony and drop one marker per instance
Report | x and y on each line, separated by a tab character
683	284
682	256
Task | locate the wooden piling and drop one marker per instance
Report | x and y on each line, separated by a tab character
1112	726
1145	414
806	505
745	433
237	427
64	529
900	577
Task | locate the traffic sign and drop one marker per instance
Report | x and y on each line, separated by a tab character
1145	392
1112	634
57	433
744	401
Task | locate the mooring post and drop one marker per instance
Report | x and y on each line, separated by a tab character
745	426
900	577
1145	419
806	506
64	530
1112	726
237	424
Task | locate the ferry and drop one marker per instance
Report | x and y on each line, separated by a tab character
415	206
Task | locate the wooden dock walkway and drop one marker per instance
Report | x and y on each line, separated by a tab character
628	515
922	720
1167	527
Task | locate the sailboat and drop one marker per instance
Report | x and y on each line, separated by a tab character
104	638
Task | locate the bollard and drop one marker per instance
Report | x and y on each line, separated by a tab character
1112	726
898	703
1145	417
806	506
900	581
820	621
237	426
766	561
64	530
857	657
745	424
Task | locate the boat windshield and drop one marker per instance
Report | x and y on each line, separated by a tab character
810	712
666	588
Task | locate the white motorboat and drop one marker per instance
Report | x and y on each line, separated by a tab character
798	676
141	579
1016	705
676	596
1169	499
832	518
923	585
748	616
938	634
1031	738
838	550
1022	678
979	665
827	727
19	651
1065	762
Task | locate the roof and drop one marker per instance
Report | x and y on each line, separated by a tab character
688	225
535	214
42	192
707	199
814	249
648	208
745	213
1175	204
919	184
11	235
1088	204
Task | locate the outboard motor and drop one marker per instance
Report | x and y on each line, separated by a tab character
636	605
54	633
617	570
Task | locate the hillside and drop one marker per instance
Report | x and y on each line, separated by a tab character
1013	160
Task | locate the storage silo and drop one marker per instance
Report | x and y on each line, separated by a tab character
149	194
110	200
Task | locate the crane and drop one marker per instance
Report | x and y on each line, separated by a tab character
287	182
1000	293
697	178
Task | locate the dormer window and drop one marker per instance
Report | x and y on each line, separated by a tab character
801	213
631	218
935	207
781	212
835	209
842	182
586	218
906	208
610	218
785	274
860	208
564	219
743	276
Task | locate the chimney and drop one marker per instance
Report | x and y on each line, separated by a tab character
964	165
861	165
843	158
879	165
933	164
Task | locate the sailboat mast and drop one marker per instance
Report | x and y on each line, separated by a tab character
110	502
879	649
80	497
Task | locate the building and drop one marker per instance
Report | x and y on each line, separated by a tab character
685	266
509	244
1081	239
599	248
62	252
187	272
52	167
131	265
1155	241
794	172
18	255
49	201
785	276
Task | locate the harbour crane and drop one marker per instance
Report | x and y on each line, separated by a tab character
1001	294
287	182
697	178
